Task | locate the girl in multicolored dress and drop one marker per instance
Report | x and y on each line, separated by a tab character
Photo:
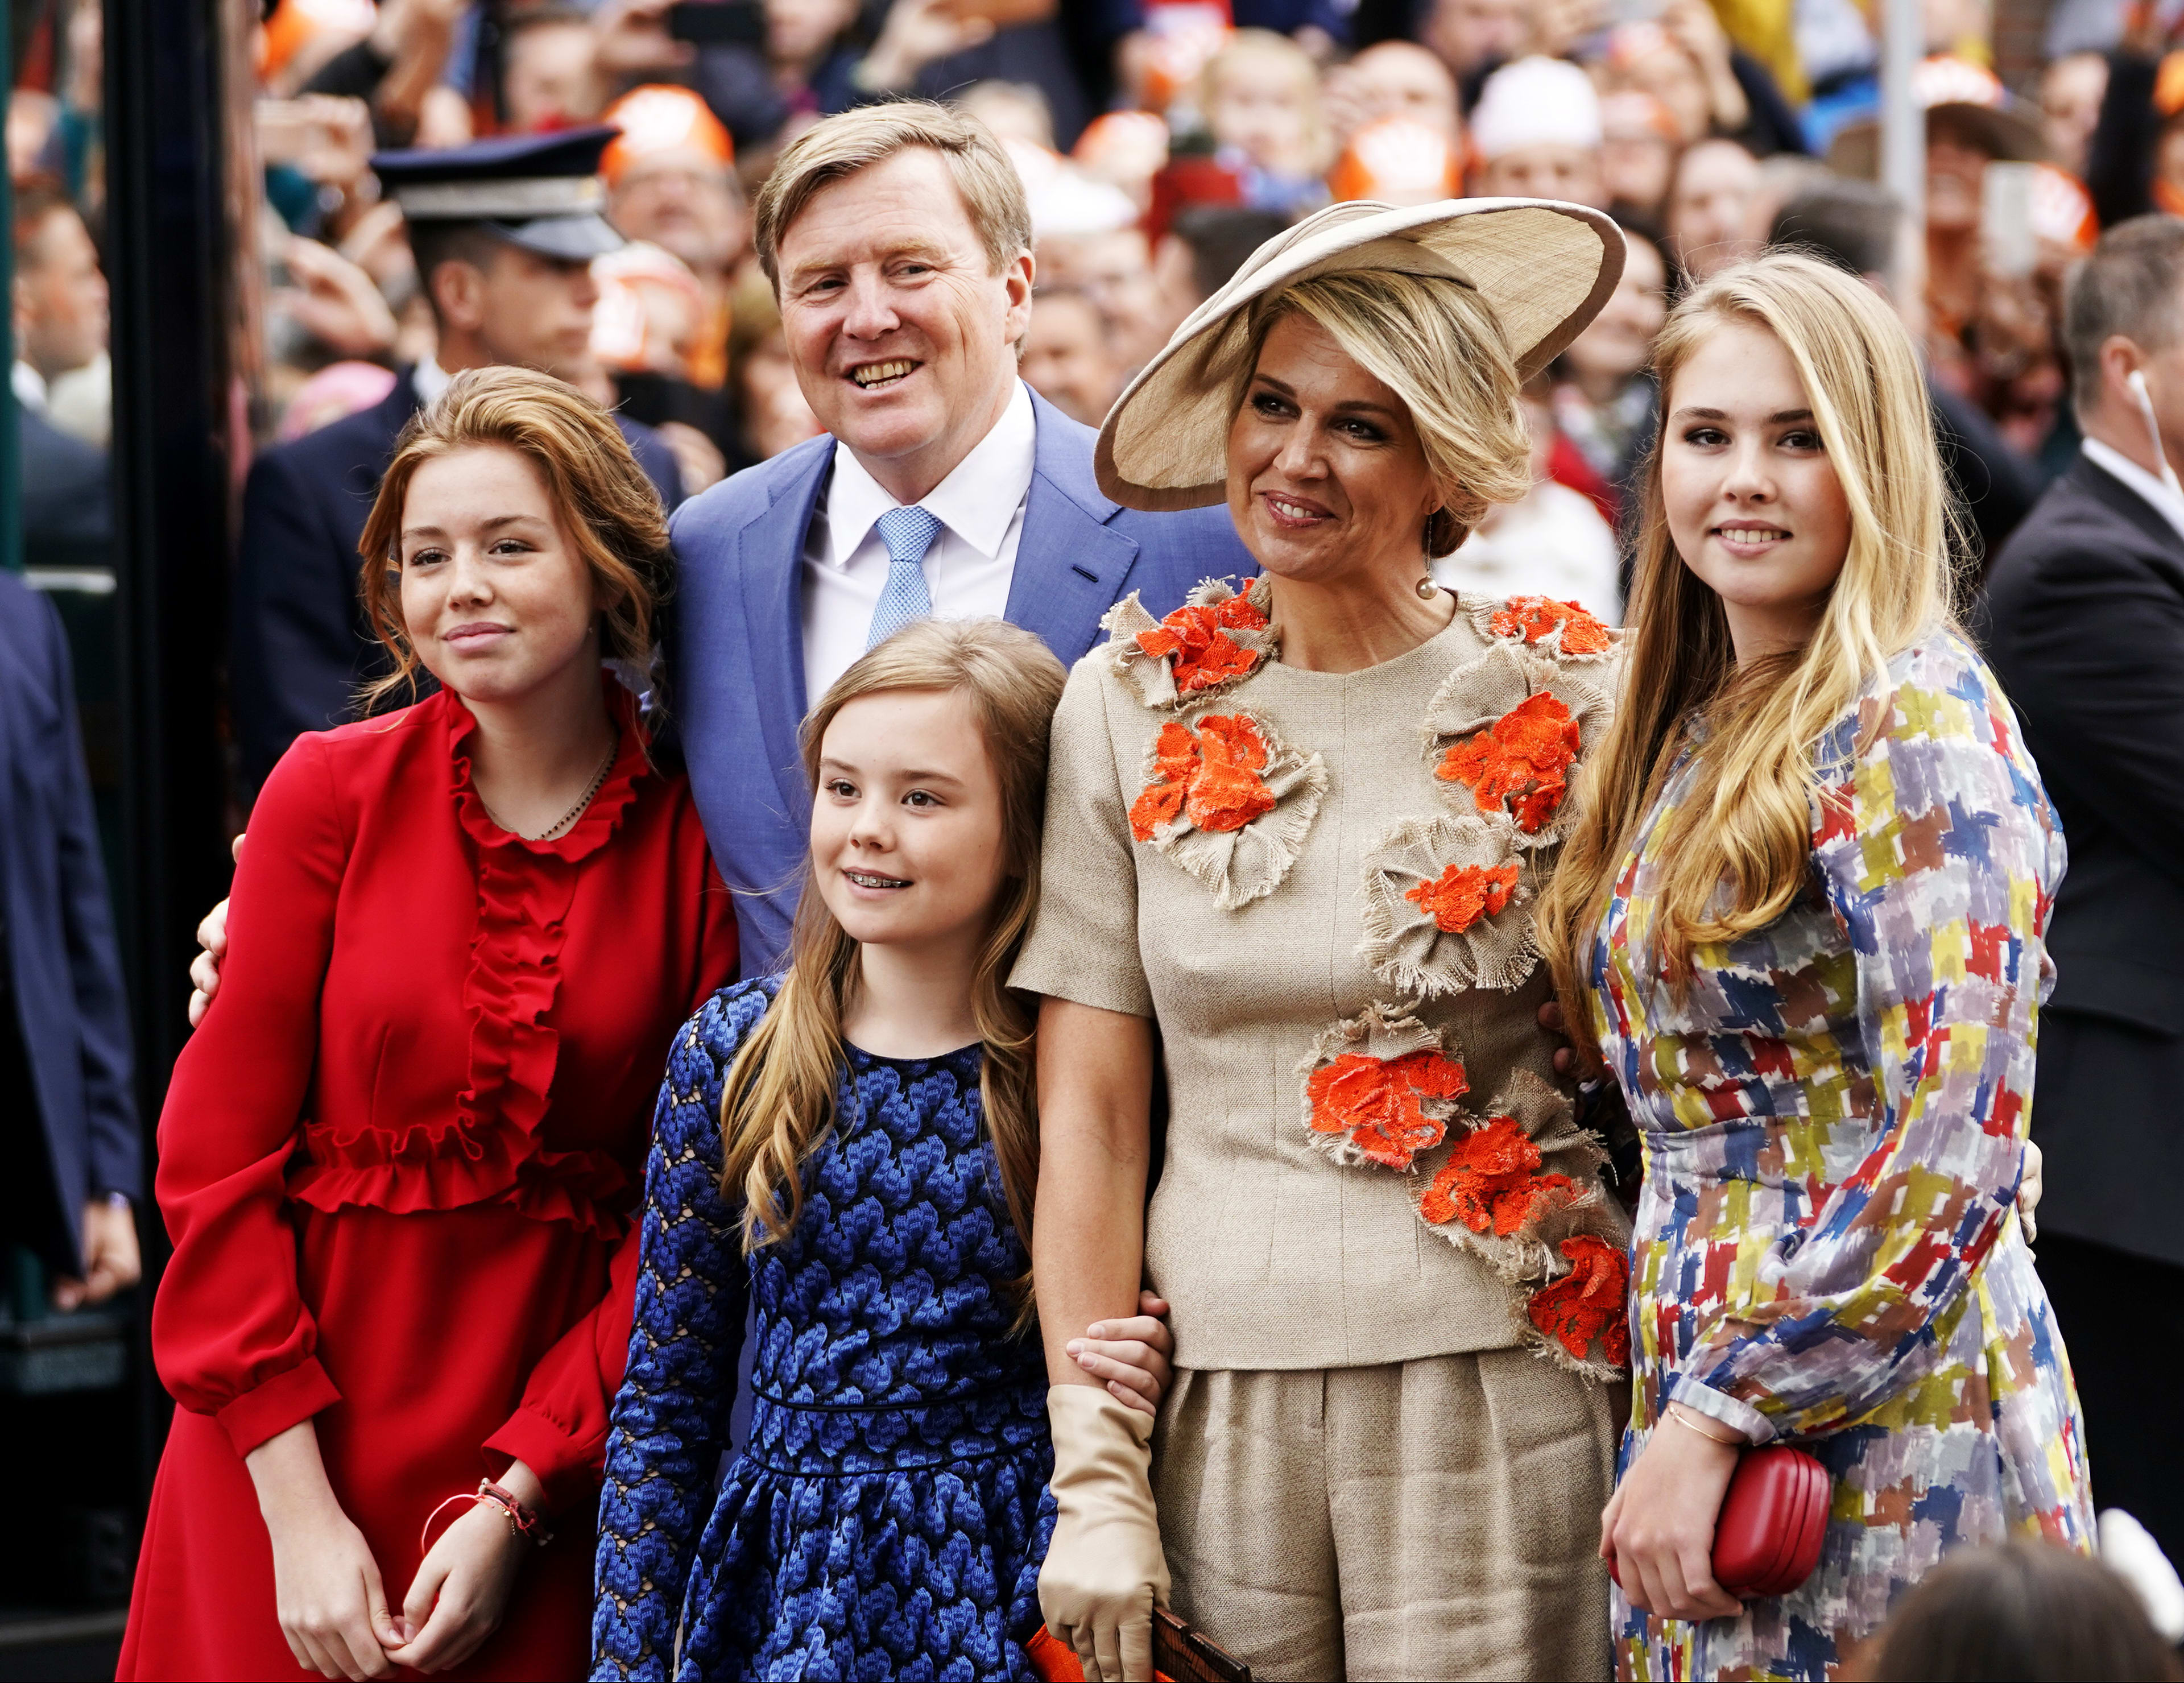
1806	906
850	1146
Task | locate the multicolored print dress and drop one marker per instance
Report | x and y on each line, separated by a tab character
1834	1118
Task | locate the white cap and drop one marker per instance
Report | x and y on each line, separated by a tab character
1535	101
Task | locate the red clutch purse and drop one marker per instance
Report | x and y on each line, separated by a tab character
1767	1538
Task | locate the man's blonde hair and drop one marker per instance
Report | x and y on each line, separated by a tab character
992	193
1438	346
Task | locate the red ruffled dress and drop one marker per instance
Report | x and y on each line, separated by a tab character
398	1162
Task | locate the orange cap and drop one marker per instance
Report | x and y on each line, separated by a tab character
1397	160
2062	210
657	118
624	334
295	22
2169	85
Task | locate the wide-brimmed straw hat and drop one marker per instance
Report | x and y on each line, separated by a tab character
1545	268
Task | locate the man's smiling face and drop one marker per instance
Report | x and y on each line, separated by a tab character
900	329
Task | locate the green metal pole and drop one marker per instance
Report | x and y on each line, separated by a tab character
11	460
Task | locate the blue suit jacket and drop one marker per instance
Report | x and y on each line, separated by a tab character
63	971
301	644
736	639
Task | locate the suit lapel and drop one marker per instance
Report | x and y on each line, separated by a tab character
1071	564
771	568
2121	499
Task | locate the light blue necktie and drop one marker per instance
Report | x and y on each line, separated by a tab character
908	533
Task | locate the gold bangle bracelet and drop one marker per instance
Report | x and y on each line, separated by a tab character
1681	1416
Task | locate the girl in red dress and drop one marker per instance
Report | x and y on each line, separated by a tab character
398	1158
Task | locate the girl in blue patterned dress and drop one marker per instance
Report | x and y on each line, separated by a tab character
1807	911
850	1149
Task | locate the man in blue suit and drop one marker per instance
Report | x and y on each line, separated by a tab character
505	231
899	241
74	1162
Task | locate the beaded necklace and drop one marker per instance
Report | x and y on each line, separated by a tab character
574	813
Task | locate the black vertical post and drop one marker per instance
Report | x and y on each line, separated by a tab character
11	465
168	221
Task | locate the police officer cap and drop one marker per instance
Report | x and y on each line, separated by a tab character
539	192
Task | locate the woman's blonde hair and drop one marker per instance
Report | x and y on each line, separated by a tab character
1739	846
1438	346
603	502
778	1102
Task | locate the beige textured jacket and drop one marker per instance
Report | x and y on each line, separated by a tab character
1320	886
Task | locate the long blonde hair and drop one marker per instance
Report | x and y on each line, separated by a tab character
778	1104
1745	825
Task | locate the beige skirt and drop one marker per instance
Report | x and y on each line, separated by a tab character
1434	1518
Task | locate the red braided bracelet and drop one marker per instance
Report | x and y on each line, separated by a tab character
521	1521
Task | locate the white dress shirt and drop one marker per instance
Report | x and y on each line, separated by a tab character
2156	491
980	507
428	380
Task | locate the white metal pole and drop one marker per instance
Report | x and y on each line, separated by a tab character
1903	120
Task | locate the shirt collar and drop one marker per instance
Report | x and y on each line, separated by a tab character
977	501
428	379
2156	492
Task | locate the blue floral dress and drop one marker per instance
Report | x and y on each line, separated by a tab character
883	1519
1834	1115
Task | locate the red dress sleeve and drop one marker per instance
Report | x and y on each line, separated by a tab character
559	1429
231	1334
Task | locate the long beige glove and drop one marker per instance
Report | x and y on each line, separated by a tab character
1104	1570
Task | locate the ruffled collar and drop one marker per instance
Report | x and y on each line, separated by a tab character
600	820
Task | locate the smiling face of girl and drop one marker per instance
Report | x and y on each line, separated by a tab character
1326	474
1754	506
906	831
497	600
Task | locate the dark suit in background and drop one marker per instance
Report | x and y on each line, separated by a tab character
2085	627
301	644
70	1118
67	506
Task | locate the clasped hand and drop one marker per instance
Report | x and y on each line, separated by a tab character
328	1591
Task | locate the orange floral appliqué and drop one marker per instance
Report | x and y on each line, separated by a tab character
1377	1102
1535	617
1198	638
1211	777
1522	757
1464	894
1587	1303
1488	1182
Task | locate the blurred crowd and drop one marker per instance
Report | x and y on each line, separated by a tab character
1163	141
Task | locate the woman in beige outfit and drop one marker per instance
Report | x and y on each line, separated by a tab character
1293	835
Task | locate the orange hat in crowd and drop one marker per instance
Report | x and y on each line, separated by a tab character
1397	160
296	23
649	313
657	118
2062	210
